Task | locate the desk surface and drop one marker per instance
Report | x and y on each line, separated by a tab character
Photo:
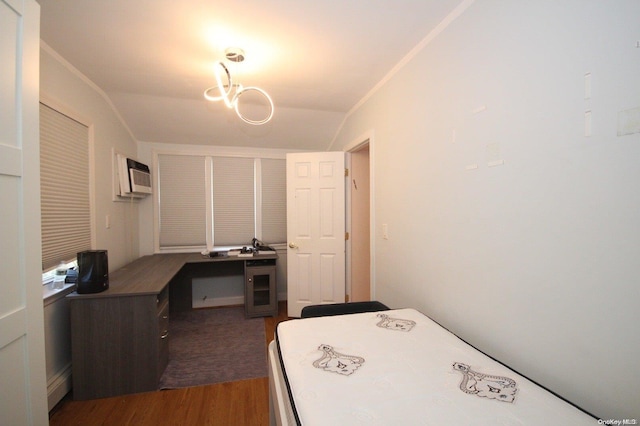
150	274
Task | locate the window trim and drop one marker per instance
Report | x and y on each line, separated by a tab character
209	151
64	109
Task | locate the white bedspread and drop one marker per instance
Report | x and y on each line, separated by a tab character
400	368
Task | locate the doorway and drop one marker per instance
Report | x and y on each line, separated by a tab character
359	273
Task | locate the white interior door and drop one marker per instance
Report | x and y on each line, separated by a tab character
23	390
315	229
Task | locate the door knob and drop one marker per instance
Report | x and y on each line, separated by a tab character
293	246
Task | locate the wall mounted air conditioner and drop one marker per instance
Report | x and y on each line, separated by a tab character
134	178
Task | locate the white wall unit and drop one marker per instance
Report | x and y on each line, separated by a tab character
120	180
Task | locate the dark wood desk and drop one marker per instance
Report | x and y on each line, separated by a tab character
120	337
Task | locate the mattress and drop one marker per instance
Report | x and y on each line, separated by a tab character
398	367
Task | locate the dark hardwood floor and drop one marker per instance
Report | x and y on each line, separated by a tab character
244	402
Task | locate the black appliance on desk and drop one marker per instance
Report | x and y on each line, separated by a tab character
93	271
260	246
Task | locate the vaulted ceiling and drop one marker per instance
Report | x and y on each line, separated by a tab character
316	58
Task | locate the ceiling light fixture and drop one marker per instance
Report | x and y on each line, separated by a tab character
229	92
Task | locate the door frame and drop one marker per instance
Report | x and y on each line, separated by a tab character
355	145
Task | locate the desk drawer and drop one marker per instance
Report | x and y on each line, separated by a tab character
163	336
163	298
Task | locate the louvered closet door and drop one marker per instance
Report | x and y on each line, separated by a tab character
23	396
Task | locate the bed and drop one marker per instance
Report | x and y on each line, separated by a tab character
398	367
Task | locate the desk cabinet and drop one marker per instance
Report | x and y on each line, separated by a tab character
120	337
119	344
260	294
163	334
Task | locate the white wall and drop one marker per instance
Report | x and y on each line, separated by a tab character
64	88
67	87
534	261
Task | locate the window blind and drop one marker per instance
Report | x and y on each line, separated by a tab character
64	187
182	195
233	201
274	201
206	200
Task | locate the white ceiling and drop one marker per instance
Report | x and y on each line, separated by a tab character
316	58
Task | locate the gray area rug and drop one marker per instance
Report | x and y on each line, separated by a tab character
213	346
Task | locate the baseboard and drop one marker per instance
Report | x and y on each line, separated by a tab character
58	386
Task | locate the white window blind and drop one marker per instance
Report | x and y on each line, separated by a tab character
64	187
182	195
233	201
274	201
207	201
